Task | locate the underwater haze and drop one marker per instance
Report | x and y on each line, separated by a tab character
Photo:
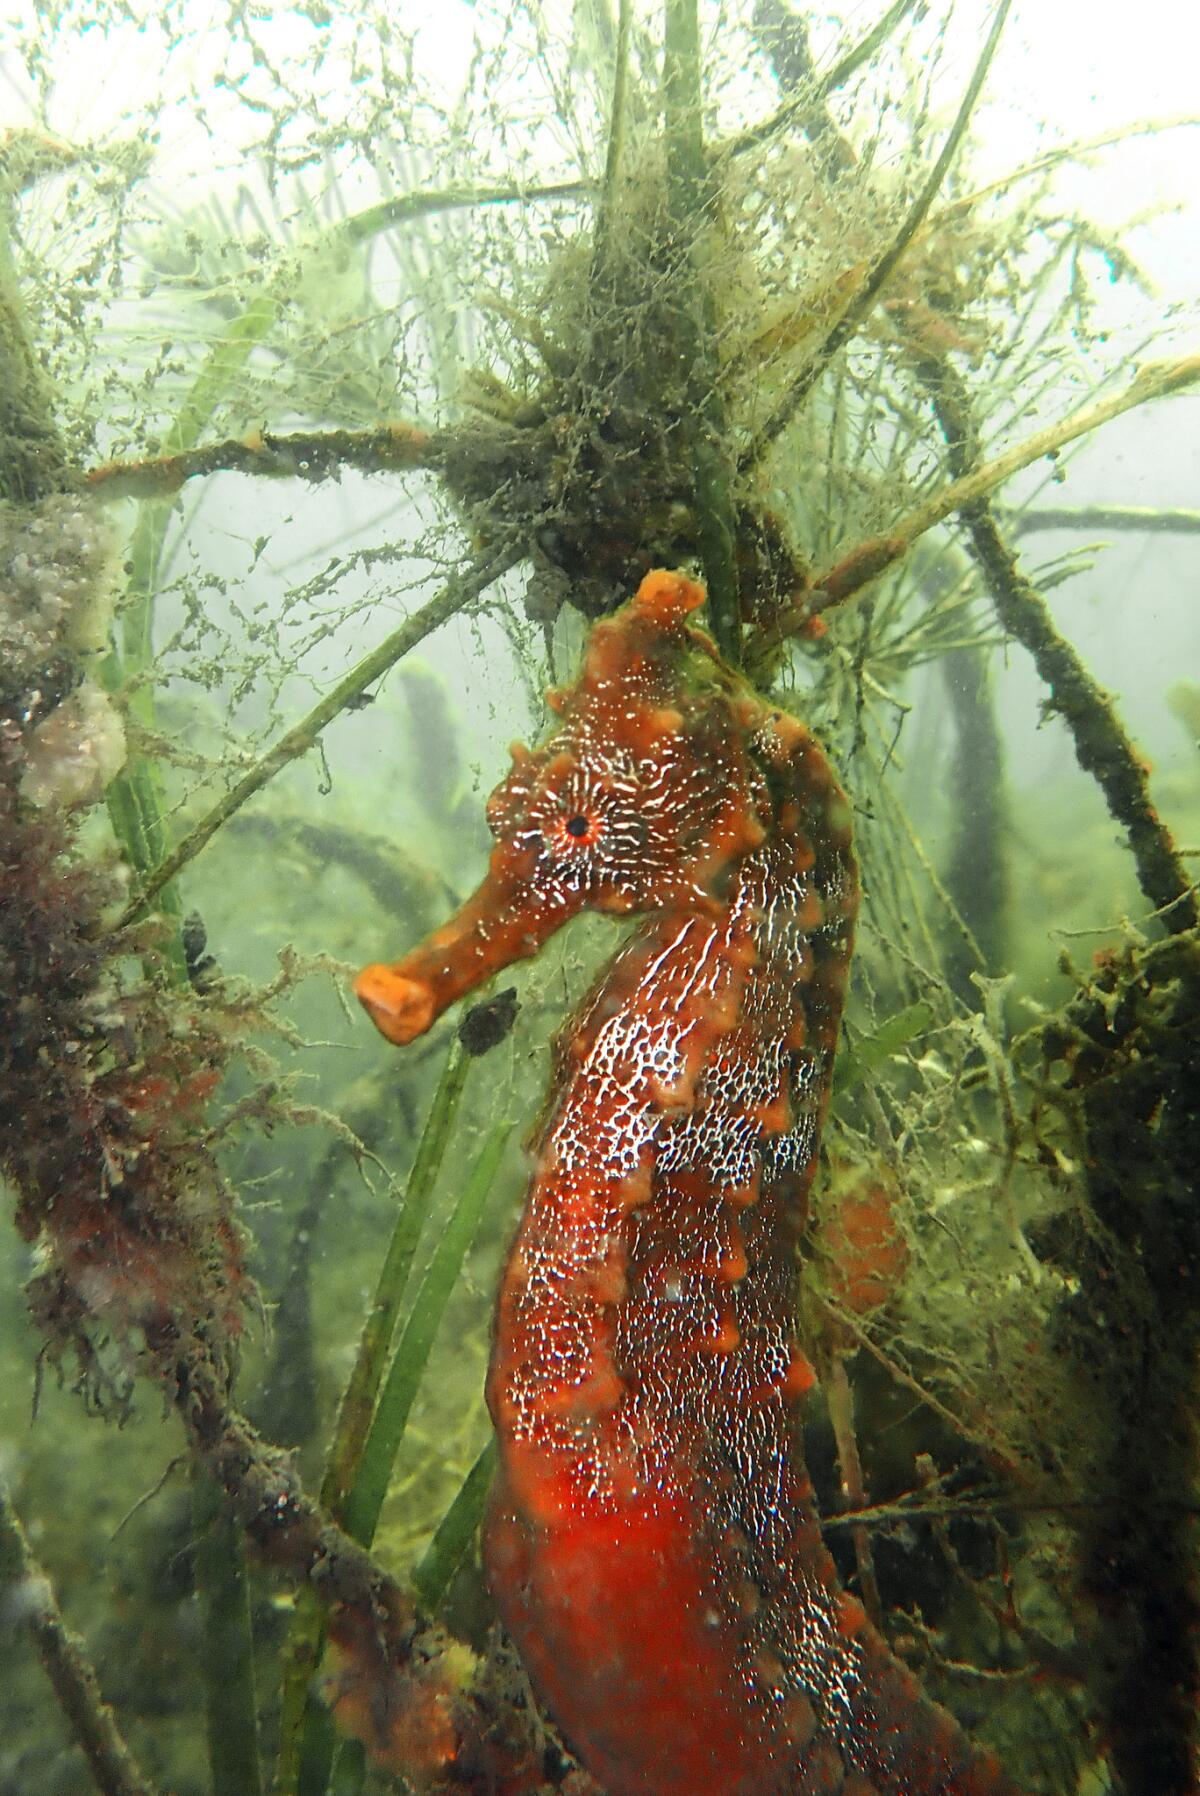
755	447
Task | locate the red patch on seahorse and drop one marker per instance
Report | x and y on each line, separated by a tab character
652	1545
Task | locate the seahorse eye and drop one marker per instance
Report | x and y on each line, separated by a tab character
573	832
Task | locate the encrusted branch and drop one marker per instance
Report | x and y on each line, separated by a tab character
25	1593
402	1684
1166	520
1101	744
300	455
454	596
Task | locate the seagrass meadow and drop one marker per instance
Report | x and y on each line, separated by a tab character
357	367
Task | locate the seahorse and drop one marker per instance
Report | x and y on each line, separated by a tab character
652	1545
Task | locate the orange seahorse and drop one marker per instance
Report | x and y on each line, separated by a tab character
652	1544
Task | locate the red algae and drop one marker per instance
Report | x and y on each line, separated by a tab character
859	1236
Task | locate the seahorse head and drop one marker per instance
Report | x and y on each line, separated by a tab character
643	798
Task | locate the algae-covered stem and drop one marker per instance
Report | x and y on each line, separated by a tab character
454	597
411	1670
1102	745
690	205
874	556
321	454
864	297
1165	520
29	1595
795	111
614	155
272	455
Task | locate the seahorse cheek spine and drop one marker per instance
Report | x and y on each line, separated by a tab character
652	1546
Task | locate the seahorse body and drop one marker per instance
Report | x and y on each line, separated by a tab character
652	1545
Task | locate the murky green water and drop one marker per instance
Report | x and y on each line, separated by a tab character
352	363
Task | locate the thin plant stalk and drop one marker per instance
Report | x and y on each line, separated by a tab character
305	1739
346	1773
362	1391
616	136
362	1508
455	1532
227	1643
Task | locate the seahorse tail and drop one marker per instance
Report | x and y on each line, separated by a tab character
901	1742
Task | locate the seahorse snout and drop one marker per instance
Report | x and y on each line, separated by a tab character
400	1007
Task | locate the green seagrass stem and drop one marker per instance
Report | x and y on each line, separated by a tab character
455	1532
365	1501
370	1366
227	1642
307	1743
